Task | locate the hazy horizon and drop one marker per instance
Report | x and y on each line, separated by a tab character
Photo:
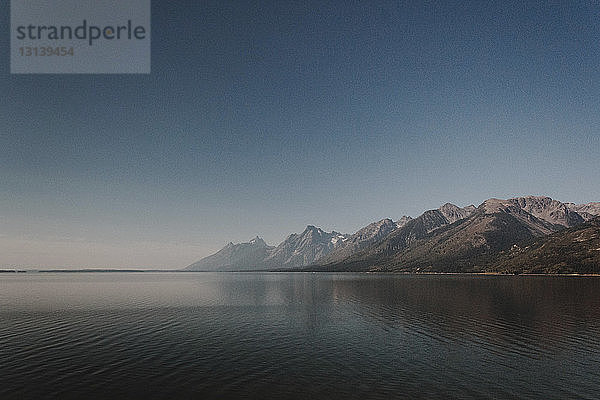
260	119
63	246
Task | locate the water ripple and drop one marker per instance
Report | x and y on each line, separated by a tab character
300	336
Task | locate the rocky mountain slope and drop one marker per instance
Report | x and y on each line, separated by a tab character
453	213
432	242
587	211
574	250
364	238
304	248
399	239
235	257
450	238
297	250
544	208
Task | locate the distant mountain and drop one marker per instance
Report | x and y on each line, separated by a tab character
432	242
587	211
453	213
544	208
295	251
363	238
304	248
403	221
235	257
538	226
399	239
574	250
470	244
450	238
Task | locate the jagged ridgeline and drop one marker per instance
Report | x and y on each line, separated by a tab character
525	234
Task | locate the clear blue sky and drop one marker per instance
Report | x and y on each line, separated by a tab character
258	119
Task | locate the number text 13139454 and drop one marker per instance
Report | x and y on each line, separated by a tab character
46	51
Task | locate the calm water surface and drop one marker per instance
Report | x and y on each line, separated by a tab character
298	336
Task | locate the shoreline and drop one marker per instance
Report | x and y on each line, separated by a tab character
92	270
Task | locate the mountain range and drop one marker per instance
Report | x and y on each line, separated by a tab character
524	234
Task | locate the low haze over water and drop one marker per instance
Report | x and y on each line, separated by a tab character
287	336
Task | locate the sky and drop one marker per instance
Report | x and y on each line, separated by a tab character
260	118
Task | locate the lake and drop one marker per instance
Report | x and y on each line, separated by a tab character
298	336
